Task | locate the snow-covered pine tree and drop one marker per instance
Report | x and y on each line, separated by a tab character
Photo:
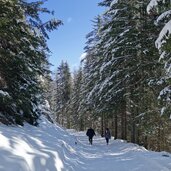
105	92
134	59
77	118
63	95
23	59
124	61
91	68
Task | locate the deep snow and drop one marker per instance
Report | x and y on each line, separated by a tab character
52	148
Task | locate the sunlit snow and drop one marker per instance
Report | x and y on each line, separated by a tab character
49	147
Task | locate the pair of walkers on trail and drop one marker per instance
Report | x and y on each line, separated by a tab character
90	133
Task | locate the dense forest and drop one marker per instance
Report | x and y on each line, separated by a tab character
122	83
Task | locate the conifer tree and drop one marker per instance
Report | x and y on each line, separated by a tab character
23	59
78	121
124	63
63	95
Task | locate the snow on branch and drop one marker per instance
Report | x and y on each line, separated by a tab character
163	16
166	31
164	34
4	93
113	2
152	5
165	92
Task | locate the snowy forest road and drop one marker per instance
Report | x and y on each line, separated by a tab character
49	147
117	156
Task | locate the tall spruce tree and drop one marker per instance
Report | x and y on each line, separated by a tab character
124	61
63	95
77	118
23	59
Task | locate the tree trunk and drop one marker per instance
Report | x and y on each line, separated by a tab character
116	126
123	121
125	117
133	131
159	138
81	124
102	125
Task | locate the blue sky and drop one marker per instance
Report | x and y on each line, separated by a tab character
68	41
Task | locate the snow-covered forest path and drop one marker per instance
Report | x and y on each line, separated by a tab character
49	147
118	156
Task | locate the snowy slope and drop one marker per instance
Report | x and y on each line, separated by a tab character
51	148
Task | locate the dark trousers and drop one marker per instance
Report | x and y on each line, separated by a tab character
107	141
91	140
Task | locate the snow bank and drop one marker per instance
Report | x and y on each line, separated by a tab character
29	148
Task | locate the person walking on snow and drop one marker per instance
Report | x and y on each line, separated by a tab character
90	133
107	135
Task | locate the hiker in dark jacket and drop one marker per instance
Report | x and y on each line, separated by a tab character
90	133
107	135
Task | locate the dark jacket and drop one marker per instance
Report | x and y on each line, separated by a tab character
90	132
107	134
